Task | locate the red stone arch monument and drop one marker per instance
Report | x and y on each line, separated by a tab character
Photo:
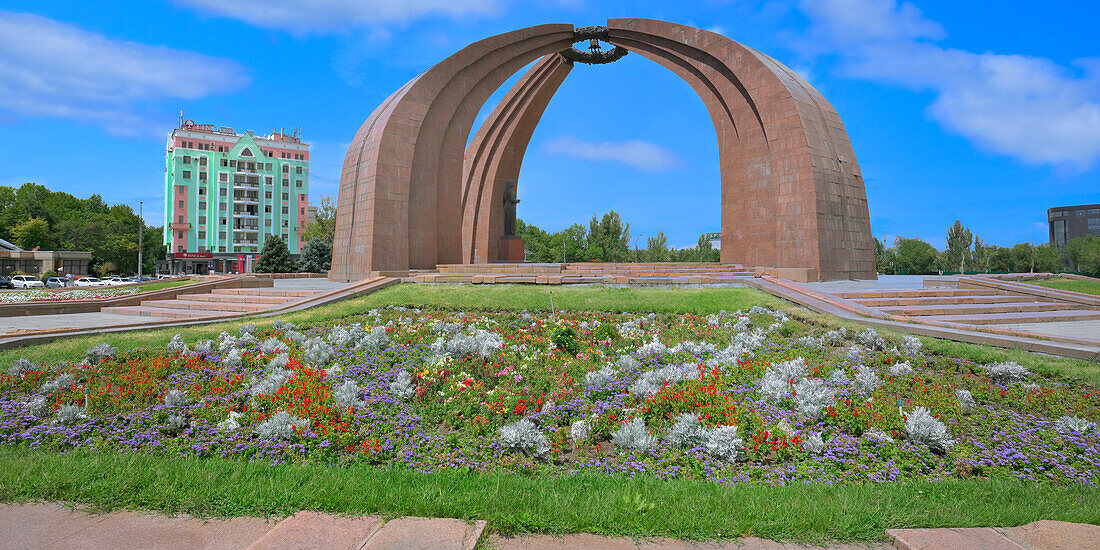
412	196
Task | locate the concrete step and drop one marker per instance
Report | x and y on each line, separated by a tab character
264	292
145	311
977	309
1019	317
317	530
246	298
208	306
941	300
924	292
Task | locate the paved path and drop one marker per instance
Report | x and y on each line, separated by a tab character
65	320
1081	330
54	525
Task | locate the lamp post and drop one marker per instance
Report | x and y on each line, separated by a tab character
141	236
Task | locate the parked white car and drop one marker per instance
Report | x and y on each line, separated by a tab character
88	281
26	281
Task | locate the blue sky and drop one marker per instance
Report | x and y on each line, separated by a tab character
983	111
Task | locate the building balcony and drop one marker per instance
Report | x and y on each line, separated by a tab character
245	215
179	226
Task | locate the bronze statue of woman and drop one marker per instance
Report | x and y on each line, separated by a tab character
510	202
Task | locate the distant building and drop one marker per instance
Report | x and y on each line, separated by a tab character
225	193
38	262
1069	222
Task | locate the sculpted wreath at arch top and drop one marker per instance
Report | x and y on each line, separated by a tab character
413	195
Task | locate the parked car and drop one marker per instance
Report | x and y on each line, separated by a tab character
88	281
5	282
56	282
26	281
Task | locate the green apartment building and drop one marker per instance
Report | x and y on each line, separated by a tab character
225	193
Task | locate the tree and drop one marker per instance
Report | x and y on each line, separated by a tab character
959	239
609	238
274	257
657	248
981	257
914	256
323	224
705	251
316	256
1084	255
31	233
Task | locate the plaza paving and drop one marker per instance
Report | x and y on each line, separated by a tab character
55	525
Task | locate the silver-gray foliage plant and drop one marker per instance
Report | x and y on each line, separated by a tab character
579	430
205	347
349	394
910	345
175	397
966	399
230	423
176	345
776	383
233	359
19	367
318	353
725	443
403	385
69	414
871	339
633	436
866	379
1007	372
273	382
62	381
479	343
1068	423
523	436
686	431
902	368
95	354
280	425
921	426
813	397
600	377
38	406
280	361
273	345
813	444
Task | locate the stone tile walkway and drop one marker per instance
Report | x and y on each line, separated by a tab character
55	525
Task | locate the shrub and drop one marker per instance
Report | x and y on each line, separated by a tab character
813	444
318	353
38	406
403	386
565	338
600	377
247	328
230	423
280	425
839	377
921	426
377	339
176	423
871	339
273	346
481	343
606	331
633	436
280	361
523	436
725	443
686	431
205	347
233	359
776	383
19	367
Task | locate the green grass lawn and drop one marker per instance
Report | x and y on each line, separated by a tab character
1075	285
513	504
161	285
516	504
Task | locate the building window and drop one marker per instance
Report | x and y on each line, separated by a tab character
286	168
1081	213
202	161
298	184
267	222
285	211
303	210
1094	211
179	234
267	167
202	234
223	177
180	219
286	196
1094	226
286	182
222	191
267	209
246	152
267	195
181	205
202	206
186	159
202	220
298	170
232	163
186	174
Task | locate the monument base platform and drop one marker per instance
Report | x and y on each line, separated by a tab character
511	249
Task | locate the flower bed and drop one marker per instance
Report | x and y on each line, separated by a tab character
751	397
103	293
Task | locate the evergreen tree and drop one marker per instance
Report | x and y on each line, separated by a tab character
609	238
316	256
959	239
657	248
274	257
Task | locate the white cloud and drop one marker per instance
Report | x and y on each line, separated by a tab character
1028	107
53	69
325	15
639	154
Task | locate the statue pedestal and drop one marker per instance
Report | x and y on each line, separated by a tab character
511	249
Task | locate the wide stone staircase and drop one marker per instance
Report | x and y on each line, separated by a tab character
223	302
979	301
585	272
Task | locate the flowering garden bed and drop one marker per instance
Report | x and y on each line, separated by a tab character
23	296
748	397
